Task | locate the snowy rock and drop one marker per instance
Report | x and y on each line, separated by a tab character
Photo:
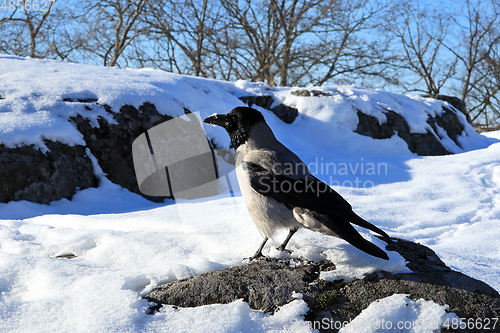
105	109
422	144
43	177
269	283
456	102
431	280
111	143
264	101
263	284
310	93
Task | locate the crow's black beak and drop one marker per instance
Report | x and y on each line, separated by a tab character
216	120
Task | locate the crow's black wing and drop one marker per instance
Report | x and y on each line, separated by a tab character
305	191
319	199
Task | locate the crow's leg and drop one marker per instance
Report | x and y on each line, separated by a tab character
290	234
259	251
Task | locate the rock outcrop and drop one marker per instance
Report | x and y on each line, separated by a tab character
29	174
267	284
421	144
456	102
34	176
111	144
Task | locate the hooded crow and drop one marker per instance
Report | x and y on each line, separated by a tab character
280	191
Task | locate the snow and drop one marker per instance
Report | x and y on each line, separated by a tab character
398	313
350	265
233	317
33	107
125	245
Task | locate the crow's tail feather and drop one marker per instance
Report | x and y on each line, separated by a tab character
365	224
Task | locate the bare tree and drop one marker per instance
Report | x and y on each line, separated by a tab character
8	15
483	98
185	27
421	35
253	39
110	27
282	42
31	18
351	48
299	42
477	53
492	89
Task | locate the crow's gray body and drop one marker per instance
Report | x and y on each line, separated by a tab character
268	214
279	190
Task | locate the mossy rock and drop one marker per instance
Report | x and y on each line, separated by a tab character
327	298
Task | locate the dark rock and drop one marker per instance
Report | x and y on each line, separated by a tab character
66	256
262	101
449	122
423	144
266	284
111	144
28	174
284	112
80	100
370	126
42	178
432	280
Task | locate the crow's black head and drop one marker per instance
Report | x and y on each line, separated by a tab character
237	123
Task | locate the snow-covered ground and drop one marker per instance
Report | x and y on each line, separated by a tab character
125	245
